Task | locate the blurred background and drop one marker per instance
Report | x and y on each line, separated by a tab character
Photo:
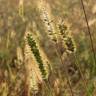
13	29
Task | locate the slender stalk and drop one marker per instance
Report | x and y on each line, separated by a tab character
90	35
89	32
81	73
66	73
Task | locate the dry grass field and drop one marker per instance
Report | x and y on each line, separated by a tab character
47	48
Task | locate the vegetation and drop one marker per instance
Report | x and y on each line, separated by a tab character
47	48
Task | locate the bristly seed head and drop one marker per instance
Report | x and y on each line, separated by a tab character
67	38
35	51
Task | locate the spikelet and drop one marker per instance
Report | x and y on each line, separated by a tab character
37	56
33	82
68	41
70	45
63	29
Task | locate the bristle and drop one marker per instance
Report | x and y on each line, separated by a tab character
66	36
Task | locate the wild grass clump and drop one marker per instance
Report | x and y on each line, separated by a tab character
73	68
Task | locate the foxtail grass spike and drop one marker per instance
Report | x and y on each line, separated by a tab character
35	51
67	39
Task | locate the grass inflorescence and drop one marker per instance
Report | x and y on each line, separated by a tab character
35	51
67	39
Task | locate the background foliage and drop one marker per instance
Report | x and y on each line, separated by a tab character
13	30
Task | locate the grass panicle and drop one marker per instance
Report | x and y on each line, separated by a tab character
67	39
35	51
